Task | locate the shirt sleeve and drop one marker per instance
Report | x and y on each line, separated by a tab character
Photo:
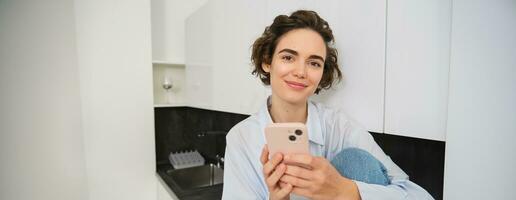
400	188
241	180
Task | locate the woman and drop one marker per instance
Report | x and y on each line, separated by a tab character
294	56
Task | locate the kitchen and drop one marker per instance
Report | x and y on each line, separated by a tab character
86	114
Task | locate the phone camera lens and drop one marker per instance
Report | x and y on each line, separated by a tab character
299	132
292	138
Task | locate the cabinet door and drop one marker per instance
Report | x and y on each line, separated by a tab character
168	28
218	52
237	24
417	64
199	57
359	30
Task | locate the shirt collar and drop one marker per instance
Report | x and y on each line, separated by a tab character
313	122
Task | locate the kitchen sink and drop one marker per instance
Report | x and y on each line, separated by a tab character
197	177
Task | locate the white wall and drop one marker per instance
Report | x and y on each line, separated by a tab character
114	58
481	130
41	145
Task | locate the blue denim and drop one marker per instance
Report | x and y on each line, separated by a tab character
360	165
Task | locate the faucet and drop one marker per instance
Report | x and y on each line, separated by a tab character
214	135
220	161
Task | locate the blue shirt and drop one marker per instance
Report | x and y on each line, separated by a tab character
329	131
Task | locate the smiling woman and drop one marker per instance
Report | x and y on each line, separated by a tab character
298	65
295	57
265	47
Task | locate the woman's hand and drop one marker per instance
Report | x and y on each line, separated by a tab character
273	170
322	181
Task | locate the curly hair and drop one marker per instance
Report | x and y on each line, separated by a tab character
265	45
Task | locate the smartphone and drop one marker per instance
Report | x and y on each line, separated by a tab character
287	138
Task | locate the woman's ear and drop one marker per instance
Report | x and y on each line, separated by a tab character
266	67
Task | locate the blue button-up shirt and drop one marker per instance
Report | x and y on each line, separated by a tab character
329	131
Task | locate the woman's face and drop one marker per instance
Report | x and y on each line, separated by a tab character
297	65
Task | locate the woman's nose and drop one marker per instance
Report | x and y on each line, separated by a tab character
300	70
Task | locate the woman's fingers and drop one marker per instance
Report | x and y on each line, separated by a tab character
265	155
295	181
299	172
302	159
269	166
285	190
272	180
282	184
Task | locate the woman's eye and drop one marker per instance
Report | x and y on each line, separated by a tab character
287	58
315	64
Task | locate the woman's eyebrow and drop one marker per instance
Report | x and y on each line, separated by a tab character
289	51
316	57
295	53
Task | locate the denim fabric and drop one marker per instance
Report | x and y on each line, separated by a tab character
360	165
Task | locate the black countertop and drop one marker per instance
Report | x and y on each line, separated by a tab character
208	193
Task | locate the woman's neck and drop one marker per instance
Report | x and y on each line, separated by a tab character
282	111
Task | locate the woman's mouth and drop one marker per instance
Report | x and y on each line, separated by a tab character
296	85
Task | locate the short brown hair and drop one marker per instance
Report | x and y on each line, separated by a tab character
265	45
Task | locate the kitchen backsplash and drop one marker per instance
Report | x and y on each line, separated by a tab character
184	128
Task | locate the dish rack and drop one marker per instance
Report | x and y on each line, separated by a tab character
185	159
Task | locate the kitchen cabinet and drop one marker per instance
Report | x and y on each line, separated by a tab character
416	70
168	32
218	67
359	30
168	47
395	60
198	57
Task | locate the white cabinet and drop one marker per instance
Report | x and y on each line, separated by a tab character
168	32
199	57
417	65
168	47
395	61
359	30
218	66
